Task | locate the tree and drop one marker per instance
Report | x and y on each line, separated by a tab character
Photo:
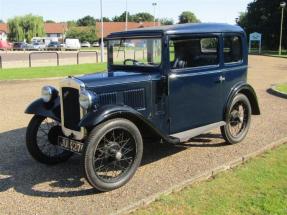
25	27
50	21
166	21
86	21
264	16
142	17
83	34
188	17
122	17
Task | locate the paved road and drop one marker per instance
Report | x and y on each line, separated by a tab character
27	187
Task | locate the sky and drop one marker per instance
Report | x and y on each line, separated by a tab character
223	11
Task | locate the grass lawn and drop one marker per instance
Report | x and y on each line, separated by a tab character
282	88
46	72
258	187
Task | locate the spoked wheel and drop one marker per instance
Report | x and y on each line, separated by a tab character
41	140
112	154
238	120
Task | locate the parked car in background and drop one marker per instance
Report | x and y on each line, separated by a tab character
36	46
73	44
85	45
129	44
96	44
188	80
4	45
20	46
56	46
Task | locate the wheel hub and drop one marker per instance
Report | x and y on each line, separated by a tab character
114	151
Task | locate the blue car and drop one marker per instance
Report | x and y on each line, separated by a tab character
173	83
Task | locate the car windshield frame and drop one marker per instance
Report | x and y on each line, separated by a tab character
126	43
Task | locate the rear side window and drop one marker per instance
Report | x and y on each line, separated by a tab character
193	52
233	49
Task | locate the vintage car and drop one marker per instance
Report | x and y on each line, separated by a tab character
175	82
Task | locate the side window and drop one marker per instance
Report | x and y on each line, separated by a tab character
232	49
193	52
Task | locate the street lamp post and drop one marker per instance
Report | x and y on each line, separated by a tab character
102	32
127	15
282	5
154	6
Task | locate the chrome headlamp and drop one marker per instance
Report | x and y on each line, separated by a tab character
48	93
87	99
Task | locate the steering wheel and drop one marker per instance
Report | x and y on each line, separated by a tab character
135	62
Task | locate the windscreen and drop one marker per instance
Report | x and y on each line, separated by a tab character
136	52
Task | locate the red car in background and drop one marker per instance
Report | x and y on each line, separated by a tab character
4	45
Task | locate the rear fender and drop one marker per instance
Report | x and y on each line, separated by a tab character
249	92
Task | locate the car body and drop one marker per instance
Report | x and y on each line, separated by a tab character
72	44
19	46
96	44
54	46
85	45
179	82
4	45
36	46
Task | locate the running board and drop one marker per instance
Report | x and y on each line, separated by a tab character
187	135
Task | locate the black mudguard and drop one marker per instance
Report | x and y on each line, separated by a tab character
247	90
108	112
51	110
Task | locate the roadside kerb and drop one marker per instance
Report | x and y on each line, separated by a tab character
202	177
276	92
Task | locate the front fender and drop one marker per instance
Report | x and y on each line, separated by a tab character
51	110
248	91
108	112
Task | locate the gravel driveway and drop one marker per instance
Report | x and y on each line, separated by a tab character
27	187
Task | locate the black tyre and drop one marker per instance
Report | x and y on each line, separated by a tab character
238	119
112	154
41	140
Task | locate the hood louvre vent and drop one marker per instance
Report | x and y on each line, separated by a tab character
108	98
135	98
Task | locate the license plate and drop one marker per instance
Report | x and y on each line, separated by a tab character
70	145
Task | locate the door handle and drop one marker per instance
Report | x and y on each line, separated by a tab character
221	79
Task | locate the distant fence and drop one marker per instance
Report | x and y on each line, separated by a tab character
34	53
78	55
46	58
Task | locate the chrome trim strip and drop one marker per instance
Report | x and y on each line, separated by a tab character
79	85
187	135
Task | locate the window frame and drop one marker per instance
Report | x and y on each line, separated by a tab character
128	67
218	36
242	49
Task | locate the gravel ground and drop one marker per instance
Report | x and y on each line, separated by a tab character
27	187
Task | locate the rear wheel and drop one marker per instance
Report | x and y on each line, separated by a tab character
112	154
238	119
41	141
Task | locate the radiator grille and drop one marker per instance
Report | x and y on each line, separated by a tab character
135	98
107	98
71	108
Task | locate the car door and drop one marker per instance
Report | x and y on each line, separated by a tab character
195	82
235	61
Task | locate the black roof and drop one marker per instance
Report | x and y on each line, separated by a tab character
179	29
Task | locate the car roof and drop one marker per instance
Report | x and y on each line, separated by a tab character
191	28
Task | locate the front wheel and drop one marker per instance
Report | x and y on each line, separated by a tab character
112	154
238	119
41	141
